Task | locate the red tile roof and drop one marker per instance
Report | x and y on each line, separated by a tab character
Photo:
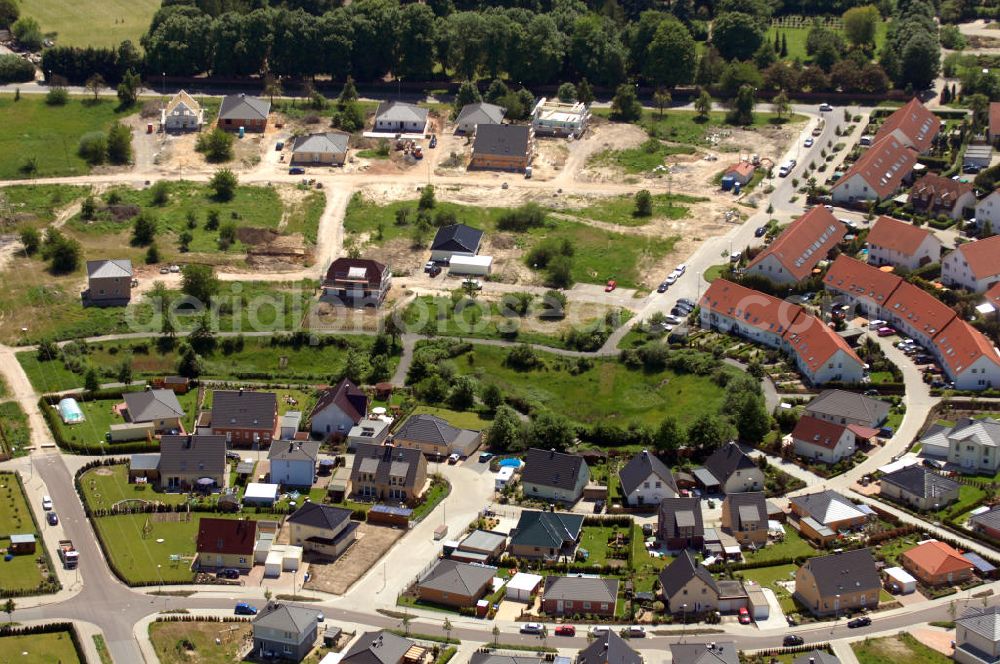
936	557
749	306
983	256
744	168
960	345
815	343
914	121
897	235
883	166
861	279
993	295
818	432
920	309
995	117
226	536
807	241
939	190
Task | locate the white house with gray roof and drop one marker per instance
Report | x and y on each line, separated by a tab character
285	631
397	117
645	480
473	115
554	476
160	408
327	148
973	445
977	636
322	529
109	282
293	462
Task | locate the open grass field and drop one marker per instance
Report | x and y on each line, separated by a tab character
620	209
92	23
599	254
21	572
15	432
106	485
791	547
36	205
613	393
186	642
686	128
899	649
642	159
41	649
50	134
463	420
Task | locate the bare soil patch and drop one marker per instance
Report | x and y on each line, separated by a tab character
337	577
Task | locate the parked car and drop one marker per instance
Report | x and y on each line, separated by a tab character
744	616
485	457
686	302
474	284
671	279
662	288
760	232
296	170
429	265
434	141
434	271
672	320
52	519
279	146
611	285
825	107
532	628
886	331
634	631
453	459
808	142
244	609
565	630
174	269
598	506
598	630
231	454
681	269
228	573
792	640
46	503
863	621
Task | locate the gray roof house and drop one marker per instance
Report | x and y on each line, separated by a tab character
919	487
452	583
435	437
744	516
158	407
481	113
293	462
608	648
843	407
322	529
186	460
686	582
338	409
546	535
387	472
455	240
324	148
645	480
840	582
716	652
732	471
977	636
377	647
570	595
502	147
680	524
109	282
554	476
284	630
974	445
244	111
400	117
480	546
111	268
987	523
245	416
816	657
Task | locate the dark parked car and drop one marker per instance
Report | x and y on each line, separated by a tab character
296	170
863	621
228	574
52	519
662	288
760	232
792	640
434	271
598	506
686	302
244	609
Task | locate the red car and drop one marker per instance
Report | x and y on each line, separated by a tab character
612	284
886	331
565	630
744	616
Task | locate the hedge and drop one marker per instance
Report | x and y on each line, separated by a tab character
15	69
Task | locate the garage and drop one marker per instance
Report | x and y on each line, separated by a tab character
522	586
757	602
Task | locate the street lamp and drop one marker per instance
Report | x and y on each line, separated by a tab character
684	608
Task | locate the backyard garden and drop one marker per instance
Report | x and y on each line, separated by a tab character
23	574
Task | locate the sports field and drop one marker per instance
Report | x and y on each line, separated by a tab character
92	22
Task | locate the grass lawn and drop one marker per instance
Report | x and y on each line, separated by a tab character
36	204
462	420
184	642
714	272
767	576
49	134
613	393
646	568
106	485
98	418
796	39
969	497
437	492
640	159
899	649
595	540
41	649
15	432
619	209
21	572
791	547
104	23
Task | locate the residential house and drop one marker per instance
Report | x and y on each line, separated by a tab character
679	524
502	147
847	581
435	438
109	283
159	408
877	174
968	356
977	632
973	265
816	657
824	514
225	543
244	417
820	354
820	440
919	487
936	195
608	648
473	115
935	563
182	113
397	117
338	409
917	314
899	243
285	631
988	209
187	461
974	446
715	652
357	281
455	240
327	148
554	476
452	583
843	407
796	251
386	472
732	470
645	480
744	516
383	647
861	285
546	535
243	112
579	595
481	546
912	124
293	462
323	530
374	431
987	523
554	118
688	587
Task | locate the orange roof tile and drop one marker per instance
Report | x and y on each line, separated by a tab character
861	279
883	166
920	309
982	256
936	557
807	241
897	235
815	343
960	345
914	121
993	295
818	432
741	167
749	306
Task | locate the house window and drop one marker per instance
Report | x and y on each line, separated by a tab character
586	605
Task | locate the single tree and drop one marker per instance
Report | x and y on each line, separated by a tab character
427	200
496	636
703	104
492	396
95	84
91	383
584	93
784	46
405	621
31	239
625	106
782	106
742	107
447	627
128	89
669	438
199	282
566	92
144	229
272	87
124	374
662	100
119	144
643	204
223	184
504	434
152	254
349	93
